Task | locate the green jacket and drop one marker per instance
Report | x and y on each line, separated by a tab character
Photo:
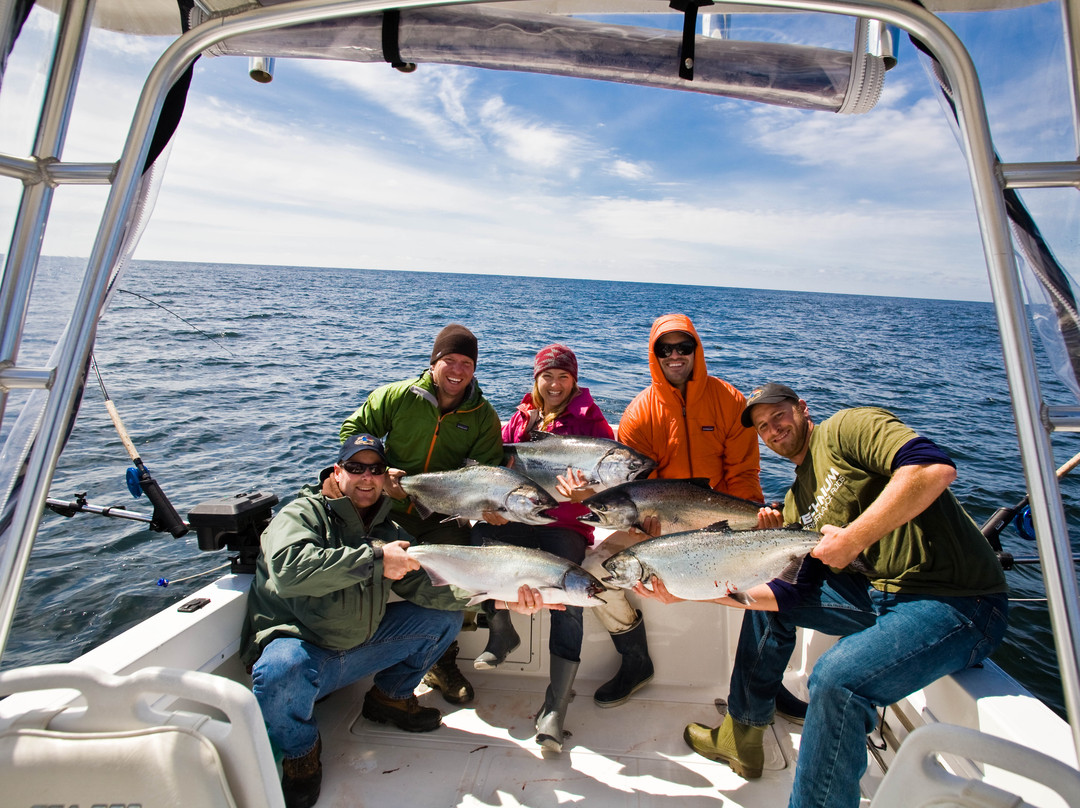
939	552
319	577
420	438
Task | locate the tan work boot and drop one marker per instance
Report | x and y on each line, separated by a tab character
406	713
740	746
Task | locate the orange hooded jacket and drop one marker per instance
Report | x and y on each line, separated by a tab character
700	436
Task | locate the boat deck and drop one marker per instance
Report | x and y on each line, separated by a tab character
485	754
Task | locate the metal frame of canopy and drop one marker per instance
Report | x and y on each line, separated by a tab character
61	383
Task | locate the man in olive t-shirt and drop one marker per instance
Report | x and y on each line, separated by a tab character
935	605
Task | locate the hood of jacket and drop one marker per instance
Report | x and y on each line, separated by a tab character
695	386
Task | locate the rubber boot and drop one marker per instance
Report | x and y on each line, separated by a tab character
549	721
790	706
445	677
635	670
740	746
301	778
502	638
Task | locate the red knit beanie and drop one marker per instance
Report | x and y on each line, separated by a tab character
557	357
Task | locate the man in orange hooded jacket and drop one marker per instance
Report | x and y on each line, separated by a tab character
689	423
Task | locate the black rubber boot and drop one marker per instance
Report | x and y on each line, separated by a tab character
301	778
635	671
502	638
790	706
445	677
549	721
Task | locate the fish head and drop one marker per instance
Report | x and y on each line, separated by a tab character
621	465
583	588
625	568
527	504
610	509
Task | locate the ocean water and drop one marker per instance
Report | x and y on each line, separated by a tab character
236	378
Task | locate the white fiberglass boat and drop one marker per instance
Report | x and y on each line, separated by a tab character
972	739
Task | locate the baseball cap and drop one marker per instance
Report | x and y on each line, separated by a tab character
771	393
359	443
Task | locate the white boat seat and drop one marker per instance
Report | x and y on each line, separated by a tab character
115	746
917	779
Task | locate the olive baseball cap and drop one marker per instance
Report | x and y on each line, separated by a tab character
766	394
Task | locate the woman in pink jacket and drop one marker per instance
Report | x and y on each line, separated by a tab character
555	404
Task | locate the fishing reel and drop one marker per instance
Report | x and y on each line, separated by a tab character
234	523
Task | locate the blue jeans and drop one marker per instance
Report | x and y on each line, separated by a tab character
890	646
566	626
292	674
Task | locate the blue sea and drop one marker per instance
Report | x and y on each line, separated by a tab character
236	378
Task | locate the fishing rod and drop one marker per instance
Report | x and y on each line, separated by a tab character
165	518
1003	517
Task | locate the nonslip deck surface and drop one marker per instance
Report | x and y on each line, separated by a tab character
485	755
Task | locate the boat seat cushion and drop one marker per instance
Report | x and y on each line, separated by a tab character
169	767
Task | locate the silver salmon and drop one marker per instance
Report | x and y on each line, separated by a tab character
679	505
468	492
708	564
497	570
605	463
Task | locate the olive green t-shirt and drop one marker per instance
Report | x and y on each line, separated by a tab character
939	552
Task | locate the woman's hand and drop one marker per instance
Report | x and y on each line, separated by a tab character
574	486
529	601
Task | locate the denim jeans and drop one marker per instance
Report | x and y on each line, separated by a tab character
292	674
890	646
566	626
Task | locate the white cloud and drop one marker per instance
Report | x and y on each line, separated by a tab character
629	170
438	170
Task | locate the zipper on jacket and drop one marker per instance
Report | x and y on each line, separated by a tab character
686	431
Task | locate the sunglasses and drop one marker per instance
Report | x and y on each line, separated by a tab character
377	469
665	349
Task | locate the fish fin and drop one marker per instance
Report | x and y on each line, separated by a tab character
791	571
722	526
421	510
434	577
700	482
862	566
479	597
793	526
468	462
448	519
537	434
741	597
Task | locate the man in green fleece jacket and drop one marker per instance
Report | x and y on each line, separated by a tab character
434	422
319	619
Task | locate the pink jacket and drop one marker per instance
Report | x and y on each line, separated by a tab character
583	418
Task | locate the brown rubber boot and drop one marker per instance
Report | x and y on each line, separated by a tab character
741	746
445	677
301	778
406	714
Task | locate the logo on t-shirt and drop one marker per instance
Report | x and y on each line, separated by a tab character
833	482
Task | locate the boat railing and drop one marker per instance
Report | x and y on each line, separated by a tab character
28	464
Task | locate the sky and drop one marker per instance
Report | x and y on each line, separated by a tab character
465	170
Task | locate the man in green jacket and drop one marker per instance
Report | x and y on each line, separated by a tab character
435	422
318	617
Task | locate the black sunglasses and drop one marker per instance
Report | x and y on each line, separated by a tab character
665	349
377	469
